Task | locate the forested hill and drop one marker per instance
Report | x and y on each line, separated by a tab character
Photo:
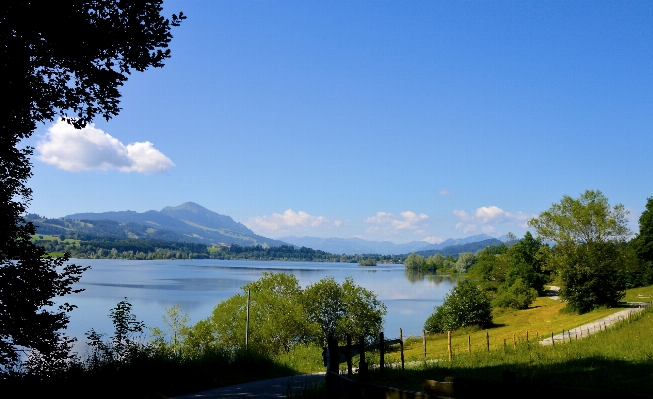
188	222
456	250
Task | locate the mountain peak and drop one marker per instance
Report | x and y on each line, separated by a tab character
186	206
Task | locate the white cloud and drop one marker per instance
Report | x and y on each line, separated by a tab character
87	149
444	192
489	214
433	239
406	220
290	221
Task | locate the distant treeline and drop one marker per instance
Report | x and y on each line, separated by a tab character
119	248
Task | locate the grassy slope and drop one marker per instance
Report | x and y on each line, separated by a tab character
619	360
543	317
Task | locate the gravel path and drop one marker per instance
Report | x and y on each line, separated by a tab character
594	326
274	388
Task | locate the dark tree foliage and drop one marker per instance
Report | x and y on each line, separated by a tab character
65	59
644	241
466	305
592	276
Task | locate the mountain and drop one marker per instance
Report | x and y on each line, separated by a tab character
353	246
456	241
187	222
457	249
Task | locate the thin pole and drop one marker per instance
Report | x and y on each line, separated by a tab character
487	341
449	345
424	342
349	370
401	343
526	335
469	344
552	340
504	346
514	342
563	335
382	353
247	324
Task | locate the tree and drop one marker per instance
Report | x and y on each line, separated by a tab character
518	295
465	305
69	60
175	322
589	235
464	262
277	321
643	243
414	261
338	310
592	276
582	220
125	343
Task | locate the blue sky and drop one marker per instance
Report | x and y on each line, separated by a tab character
384	120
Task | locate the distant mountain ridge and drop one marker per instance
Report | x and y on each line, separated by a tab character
187	222
353	246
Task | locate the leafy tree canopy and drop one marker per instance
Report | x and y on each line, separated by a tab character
582	220
63	59
465	305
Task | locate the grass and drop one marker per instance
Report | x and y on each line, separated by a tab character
543	317
619	360
632	295
304	359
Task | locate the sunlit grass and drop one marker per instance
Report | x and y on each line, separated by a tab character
619	359
542	318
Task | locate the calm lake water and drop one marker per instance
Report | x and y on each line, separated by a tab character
199	285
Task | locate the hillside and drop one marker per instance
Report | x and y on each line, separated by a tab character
456	250
188	222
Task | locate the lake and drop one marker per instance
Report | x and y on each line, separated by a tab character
199	285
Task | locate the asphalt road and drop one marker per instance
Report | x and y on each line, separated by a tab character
274	388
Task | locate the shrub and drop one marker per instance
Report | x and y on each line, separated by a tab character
592	276
465	305
518	296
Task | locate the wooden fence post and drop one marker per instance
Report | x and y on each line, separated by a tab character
581	333
504	346
537	336
487	341
449	345
349	371
382	353
552	340
563	335
514	342
401	344
526	335
333	363
469	344
424	342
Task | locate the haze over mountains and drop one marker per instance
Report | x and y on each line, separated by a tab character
352	246
191	222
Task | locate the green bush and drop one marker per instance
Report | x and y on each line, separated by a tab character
465	305
592	276
518	296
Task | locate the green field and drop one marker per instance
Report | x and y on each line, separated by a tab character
617	360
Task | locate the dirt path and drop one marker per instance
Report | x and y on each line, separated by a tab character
274	388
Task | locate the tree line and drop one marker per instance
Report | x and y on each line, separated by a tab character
594	259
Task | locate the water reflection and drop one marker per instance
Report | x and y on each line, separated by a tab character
415	276
199	285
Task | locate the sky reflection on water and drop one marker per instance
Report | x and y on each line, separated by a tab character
199	285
